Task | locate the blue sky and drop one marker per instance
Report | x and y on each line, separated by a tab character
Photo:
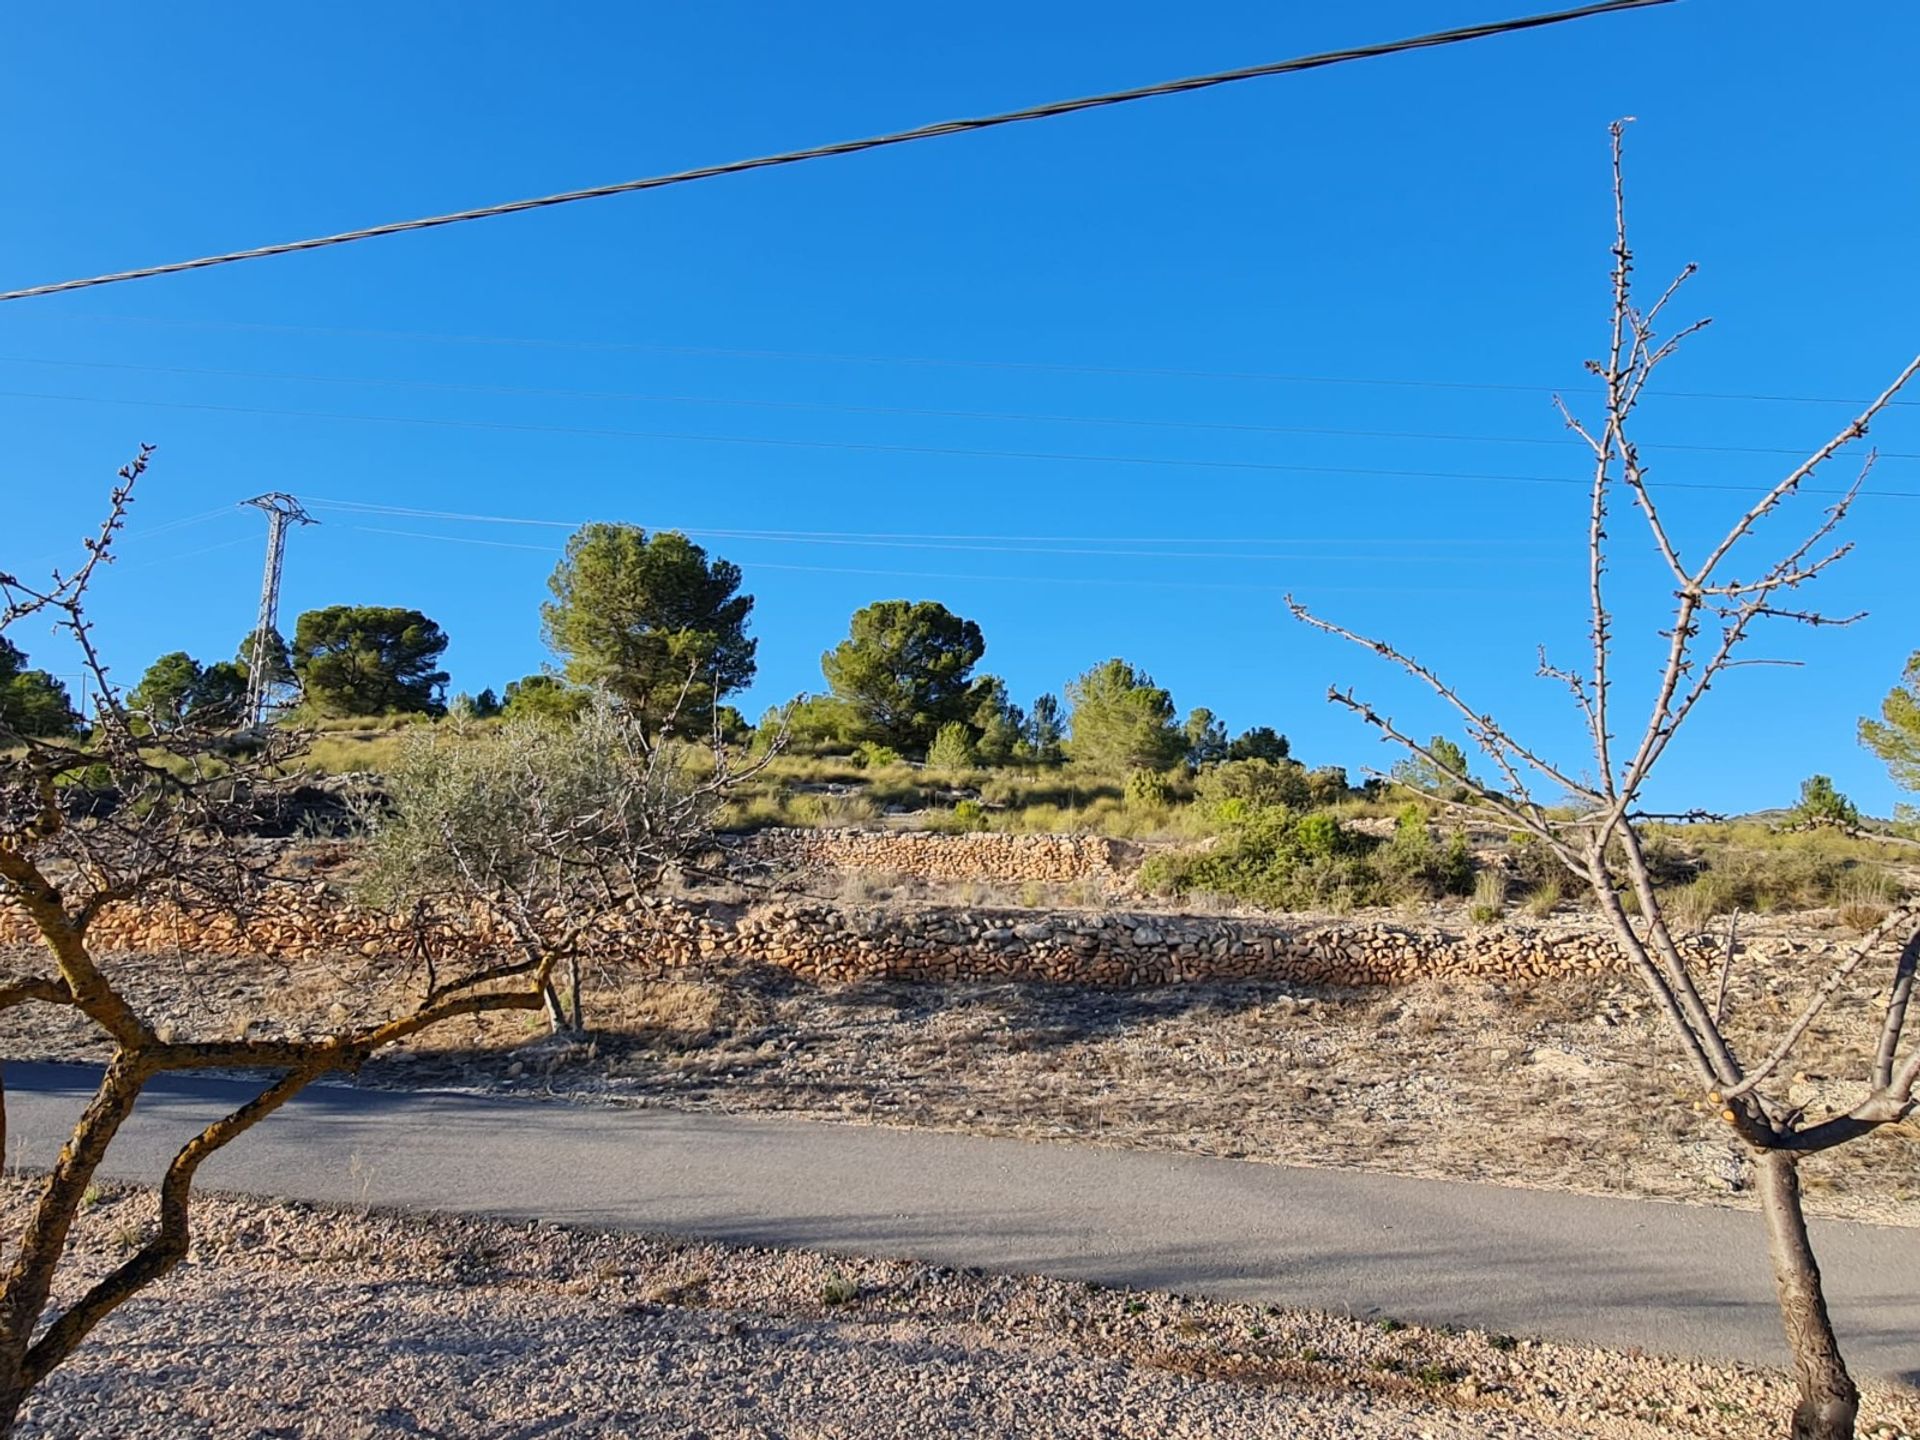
1142	355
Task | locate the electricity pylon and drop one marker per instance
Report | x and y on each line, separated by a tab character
280	507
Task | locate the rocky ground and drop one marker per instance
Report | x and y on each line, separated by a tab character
288	1321
1572	1084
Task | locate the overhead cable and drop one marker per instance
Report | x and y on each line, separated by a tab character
545	392
883	448
1276	377
416	512
852	147
1126	583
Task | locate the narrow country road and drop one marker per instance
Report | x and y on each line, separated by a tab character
1670	1278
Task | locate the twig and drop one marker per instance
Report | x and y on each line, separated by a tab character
1726	969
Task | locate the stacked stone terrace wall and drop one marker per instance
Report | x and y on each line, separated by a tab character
826	943
929	855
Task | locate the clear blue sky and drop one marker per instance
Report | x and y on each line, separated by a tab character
1434	218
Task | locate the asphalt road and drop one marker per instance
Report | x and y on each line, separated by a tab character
1670	1278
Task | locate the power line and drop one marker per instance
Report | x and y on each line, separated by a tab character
1068	367
1320	557
851	147
920	412
1128	583
188	554
880	448
137	534
182	523
420	513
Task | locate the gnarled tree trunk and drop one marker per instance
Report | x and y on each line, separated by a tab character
1829	1400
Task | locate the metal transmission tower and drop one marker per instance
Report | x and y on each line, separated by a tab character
280	507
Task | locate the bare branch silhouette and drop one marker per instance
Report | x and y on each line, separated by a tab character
1600	840
130	809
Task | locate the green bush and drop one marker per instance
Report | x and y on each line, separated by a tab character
1414	863
832	811
1278	859
1535	869
871	755
1061	790
1231	791
1694	905
1148	790
1821	804
969	815
952	748
813	724
1544	898
1328	785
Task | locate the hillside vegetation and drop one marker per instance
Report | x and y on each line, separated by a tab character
1276	835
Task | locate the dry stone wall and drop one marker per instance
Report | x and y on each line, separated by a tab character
827	943
929	855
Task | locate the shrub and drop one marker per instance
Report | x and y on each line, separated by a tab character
952	748
1535	868
1807	871
1695	904
1280	860
871	755
1148	789
1415	864
1821	804
1229	792
812	723
1328	785
969	815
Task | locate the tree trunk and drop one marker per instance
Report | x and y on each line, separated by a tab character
573	980
13	1395
43	1239
1829	1400
13	1390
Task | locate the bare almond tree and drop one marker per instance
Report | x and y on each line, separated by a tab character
135	810
1594	825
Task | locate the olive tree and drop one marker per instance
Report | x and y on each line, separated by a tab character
1596	829
547	826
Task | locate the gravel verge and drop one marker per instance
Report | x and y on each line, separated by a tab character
291	1321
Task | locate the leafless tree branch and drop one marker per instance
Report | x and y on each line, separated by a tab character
1713	615
170	824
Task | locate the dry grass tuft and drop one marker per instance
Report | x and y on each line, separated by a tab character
685	1014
